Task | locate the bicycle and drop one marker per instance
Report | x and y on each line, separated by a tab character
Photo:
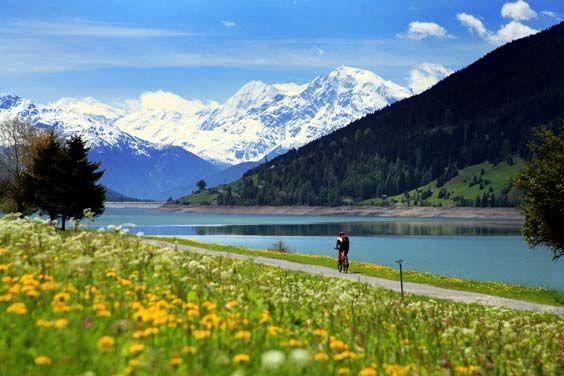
343	261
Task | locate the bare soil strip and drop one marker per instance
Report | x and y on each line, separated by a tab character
388	211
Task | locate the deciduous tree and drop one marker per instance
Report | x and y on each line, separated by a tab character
542	179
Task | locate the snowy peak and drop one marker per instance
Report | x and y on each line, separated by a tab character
252	94
258	120
290	88
87	106
165	101
162	117
262	118
363	82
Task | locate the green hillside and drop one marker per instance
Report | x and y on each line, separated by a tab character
484	112
470	183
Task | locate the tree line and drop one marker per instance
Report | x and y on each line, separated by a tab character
42	172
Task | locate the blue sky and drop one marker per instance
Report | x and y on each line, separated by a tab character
114	50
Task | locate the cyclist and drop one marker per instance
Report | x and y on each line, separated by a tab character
343	248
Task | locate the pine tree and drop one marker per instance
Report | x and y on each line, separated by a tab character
61	179
83	192
46	176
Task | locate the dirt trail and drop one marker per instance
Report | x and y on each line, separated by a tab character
409	287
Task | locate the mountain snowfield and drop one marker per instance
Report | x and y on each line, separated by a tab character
134	167
160	144
260	118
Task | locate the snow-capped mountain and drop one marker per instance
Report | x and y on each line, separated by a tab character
160	144
260	118
134	167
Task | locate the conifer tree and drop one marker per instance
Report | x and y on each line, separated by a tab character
62	181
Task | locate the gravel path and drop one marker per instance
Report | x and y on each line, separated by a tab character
409	287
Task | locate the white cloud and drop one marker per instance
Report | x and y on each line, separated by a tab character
84	28
420	30
228	24
551	14
511	31
518	11
515	29
473	24
426	75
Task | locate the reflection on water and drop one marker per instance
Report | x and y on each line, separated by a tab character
366	229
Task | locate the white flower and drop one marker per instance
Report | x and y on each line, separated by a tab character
300	357
273	359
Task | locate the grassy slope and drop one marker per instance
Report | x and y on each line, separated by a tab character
102	303
500	175
538	295
201	198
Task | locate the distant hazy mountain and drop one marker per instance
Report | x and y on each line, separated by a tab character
134	167
260	118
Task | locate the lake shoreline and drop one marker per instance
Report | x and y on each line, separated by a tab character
385	211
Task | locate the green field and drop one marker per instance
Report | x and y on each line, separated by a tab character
471	182
108	304
533	294
200	198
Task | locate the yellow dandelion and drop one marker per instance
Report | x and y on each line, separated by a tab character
201	334
320	332
106	344
335	344
175	361
209	305
264	316
61	323
273	330
43	323
43	360
189	350
466	370
136	347
345	355
241	358
342	371
46	286
398	369
103	313
6	297
110	273
321	357
134	362
17	308
32	293
61	297
243	334
368	371
4	267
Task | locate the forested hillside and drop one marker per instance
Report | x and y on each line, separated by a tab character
484	112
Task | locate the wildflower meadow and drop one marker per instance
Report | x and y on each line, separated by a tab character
104	303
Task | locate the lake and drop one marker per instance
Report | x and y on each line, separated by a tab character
482	249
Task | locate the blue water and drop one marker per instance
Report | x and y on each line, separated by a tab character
490	250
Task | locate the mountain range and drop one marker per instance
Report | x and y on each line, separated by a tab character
159	145
484	112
